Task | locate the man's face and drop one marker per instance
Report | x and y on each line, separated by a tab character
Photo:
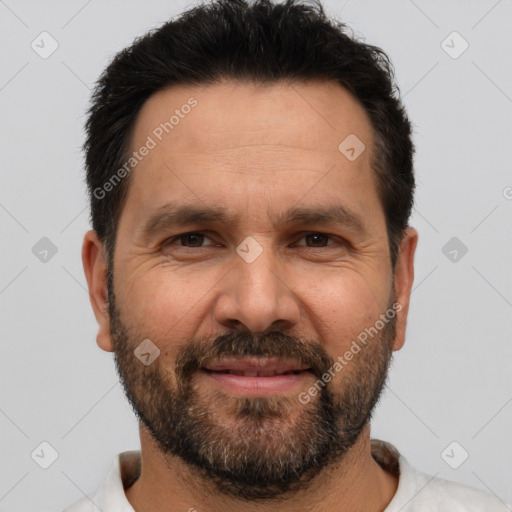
259	292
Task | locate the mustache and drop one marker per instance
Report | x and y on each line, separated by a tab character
196	353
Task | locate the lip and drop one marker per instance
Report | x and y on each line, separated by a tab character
254	364
261	379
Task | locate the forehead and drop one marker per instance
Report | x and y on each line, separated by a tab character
276	113
231	139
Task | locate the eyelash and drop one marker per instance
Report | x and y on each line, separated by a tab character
182	235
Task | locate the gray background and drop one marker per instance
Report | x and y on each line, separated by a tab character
450	382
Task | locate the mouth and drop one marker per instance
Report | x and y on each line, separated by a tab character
249	373
255	376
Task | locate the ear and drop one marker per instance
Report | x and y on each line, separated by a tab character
95	269
404	277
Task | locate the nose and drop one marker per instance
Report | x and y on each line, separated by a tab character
257	297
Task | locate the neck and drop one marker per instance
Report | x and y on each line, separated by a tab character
355	483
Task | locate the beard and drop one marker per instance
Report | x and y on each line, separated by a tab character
252	448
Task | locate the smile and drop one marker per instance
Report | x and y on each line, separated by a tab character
263	373
255	376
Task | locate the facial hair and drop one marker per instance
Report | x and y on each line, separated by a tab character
251	448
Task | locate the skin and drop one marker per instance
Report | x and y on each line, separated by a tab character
256	150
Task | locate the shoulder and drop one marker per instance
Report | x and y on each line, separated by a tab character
427	492
454	497
421	492
110	496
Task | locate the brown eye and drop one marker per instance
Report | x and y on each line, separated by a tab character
317	239
190	240
195	239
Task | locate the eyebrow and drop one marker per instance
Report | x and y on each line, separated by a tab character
174	215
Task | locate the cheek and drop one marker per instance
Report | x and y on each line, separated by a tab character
345	306
163	304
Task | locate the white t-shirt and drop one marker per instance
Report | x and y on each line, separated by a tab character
417	491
